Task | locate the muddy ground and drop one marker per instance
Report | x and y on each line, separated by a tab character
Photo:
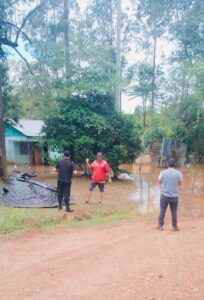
128	260
125	261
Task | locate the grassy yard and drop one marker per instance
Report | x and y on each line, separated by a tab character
15	221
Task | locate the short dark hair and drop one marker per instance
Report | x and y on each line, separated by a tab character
171	163
66	153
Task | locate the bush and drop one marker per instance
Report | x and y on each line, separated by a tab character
88	124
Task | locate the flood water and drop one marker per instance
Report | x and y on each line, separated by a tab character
147	193
143	189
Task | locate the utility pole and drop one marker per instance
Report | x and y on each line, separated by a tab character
3	163
118	59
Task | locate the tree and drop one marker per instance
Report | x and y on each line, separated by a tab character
118	58
55	47
90	48
10	33
187	29
66	36
86	122
106	38
153	17
3	164
142	75
99	40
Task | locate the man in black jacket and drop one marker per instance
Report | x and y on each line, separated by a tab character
65	168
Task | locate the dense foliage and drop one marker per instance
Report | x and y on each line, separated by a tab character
86	124
176	90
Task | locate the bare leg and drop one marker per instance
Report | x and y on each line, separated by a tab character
89	197
101	197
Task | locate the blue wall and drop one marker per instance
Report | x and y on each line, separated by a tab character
12	132
13	137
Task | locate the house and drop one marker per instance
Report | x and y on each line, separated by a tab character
22	142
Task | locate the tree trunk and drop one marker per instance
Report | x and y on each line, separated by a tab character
154	70
144	112
111	23
118	59
3	163
66	38
198	148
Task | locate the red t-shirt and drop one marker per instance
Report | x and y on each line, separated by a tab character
99	171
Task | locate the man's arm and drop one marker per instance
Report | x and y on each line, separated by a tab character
181	179
56	168
87	162
110	177
108	171
90	166
75	172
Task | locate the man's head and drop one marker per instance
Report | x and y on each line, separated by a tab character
66	154
99	156
171	163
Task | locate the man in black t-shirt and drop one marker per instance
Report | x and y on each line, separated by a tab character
65	168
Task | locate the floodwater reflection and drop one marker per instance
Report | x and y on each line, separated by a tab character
147	193
144	190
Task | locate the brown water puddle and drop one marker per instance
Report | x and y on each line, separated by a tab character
144	189
115	197
147	192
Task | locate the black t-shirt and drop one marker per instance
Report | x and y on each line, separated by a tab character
65	168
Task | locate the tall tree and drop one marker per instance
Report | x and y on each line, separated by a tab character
118	58
153	20
187	29
3	163
99	39
10	33
142	89
66	37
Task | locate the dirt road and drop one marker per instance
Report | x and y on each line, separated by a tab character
130	260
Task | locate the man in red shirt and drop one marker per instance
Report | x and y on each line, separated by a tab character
100	168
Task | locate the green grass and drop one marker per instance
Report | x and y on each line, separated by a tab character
16	221
19	220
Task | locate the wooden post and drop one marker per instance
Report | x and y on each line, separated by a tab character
148	194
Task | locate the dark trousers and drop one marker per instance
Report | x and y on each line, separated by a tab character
173	203
63	189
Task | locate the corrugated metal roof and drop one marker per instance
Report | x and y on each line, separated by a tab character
32	128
